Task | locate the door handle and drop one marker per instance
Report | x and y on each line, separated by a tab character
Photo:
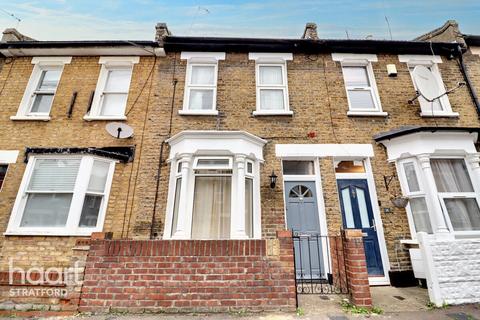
374	227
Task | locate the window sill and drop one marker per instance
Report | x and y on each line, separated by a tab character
409	241
104	118
272	113
198	113
367	114
57	233
440	115
30	118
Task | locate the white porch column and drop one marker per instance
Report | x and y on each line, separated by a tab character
182	230
238	213
436	214
474	159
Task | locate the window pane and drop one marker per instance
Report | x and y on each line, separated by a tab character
271	99
249	168
54	175
203	75
90	210
411	176
464	213
362	207
46	210
298	167
118	80
451	175
361	99
3	173
352	166
347	206
356	77
49	80
42	103
114	104
249	207
418	206
178	188
201	99
211	208
213	163
99	176
270	75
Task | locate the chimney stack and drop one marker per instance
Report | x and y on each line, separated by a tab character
161	31
12	35
310	31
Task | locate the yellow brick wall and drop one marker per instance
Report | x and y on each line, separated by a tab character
80	75
318	100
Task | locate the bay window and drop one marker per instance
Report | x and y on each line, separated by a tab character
214	193
62	195
113	86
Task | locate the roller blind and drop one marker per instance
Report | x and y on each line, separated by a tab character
54	175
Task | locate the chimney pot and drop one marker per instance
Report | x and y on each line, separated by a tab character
161	31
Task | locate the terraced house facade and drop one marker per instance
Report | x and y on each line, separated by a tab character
236	141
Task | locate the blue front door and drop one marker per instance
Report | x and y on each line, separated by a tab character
357	214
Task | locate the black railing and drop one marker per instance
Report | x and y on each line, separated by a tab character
319	264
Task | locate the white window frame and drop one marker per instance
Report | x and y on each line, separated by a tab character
190	183
413	194
361	60
431	62
441	196
40	64
271	60
80	190
200	59
107	64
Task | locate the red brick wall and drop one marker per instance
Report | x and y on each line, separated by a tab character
189	275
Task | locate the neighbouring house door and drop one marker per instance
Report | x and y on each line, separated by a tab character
357	214
302	219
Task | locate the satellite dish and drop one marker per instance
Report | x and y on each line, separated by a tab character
426	83
119	130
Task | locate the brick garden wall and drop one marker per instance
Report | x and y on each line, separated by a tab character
189	275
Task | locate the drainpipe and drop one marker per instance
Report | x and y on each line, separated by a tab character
466	76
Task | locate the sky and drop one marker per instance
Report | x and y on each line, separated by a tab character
136	19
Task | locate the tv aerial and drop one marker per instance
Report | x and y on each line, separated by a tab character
428	86
119	130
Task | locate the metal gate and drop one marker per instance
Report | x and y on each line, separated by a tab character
319	264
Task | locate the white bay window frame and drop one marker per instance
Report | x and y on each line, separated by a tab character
361	61
244	151
41	65
271	60
431	62
79	192
200	59
109	64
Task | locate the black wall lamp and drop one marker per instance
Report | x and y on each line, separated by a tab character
273	180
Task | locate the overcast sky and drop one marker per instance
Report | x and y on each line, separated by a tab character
135	19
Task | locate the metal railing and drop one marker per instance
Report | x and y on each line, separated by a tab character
319	264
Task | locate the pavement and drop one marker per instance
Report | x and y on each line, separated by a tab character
393	303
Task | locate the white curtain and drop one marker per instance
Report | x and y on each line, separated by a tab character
201	99
271	99
203	75
271	75
451	175
249	207
115	92
212	208
418	206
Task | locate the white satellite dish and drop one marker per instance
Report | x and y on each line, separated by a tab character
426	83
119	130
